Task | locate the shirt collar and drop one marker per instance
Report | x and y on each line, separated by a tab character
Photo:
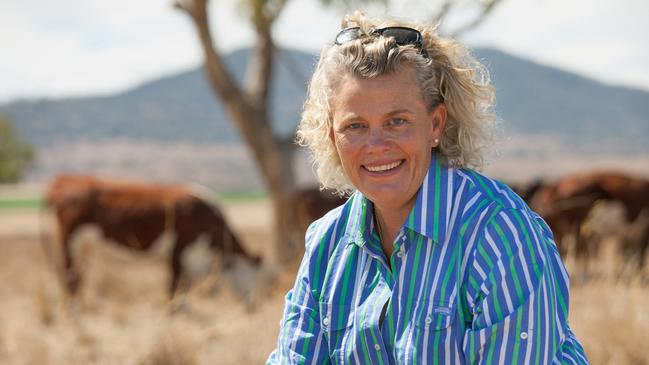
359	225
429	214
427	217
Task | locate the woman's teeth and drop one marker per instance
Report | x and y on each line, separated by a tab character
382	168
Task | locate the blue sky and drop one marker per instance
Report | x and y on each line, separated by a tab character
84	47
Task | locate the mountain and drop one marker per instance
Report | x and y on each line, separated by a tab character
531	99
177	107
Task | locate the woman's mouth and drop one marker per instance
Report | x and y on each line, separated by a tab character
383	167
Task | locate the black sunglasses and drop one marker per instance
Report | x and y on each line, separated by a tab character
402	36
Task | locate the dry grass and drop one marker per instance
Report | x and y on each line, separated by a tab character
612	321
123	317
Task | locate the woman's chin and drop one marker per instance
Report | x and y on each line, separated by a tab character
387	195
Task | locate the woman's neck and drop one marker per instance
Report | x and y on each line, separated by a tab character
389	223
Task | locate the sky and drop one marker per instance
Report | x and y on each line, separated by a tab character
67	48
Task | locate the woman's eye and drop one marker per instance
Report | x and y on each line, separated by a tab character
354	126
396	122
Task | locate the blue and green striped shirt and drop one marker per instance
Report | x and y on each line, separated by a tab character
476	279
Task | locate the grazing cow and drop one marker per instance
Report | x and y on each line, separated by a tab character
607	221
135	215
313	203
566	204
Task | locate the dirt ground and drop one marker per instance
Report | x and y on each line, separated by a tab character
123	316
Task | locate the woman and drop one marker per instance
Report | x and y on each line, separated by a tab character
428	261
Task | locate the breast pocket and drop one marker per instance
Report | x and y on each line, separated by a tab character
434	334
337	322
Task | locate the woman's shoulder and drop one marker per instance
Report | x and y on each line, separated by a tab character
489	201
328	229
325	238
494	191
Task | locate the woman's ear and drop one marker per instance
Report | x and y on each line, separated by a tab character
438	119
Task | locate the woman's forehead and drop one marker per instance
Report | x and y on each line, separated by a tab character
364	98
406	74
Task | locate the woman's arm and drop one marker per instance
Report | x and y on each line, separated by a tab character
301	339
519	296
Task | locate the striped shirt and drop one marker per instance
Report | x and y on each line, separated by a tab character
475	277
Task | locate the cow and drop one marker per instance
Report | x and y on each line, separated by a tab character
565	205
312	203
607	221
135	215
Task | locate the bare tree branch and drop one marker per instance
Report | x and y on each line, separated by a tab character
274	8
217	72
260	64
487	7
443	10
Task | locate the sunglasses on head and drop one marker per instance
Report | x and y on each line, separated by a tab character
402	36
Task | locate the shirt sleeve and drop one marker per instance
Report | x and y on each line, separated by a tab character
300	339
518	301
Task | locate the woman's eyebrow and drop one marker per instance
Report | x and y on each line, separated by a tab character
350	117
353	117
399	111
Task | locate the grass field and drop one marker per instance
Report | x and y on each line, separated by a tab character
9	203
123	316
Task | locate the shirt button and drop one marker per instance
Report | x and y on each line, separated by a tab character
377	347
523	335
325	321
428	320
400	254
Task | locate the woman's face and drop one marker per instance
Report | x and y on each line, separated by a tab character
384	135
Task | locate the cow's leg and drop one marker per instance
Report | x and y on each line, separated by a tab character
643	245
176	268
71	277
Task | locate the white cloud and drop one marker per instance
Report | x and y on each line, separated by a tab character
76	47
599	39
89	47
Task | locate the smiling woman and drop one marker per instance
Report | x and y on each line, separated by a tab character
384	133
428	260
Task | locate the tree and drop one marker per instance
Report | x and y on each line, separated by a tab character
15	155
248	102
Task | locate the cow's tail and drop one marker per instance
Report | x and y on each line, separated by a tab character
231	245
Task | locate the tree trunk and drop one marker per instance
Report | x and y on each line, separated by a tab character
285	228
248	109
275	164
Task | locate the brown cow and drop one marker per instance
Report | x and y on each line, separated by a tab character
135	215
607	221
313	203
566	204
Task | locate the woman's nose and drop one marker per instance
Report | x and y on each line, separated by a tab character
377	140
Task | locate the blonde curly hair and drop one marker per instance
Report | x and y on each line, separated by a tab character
449	75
